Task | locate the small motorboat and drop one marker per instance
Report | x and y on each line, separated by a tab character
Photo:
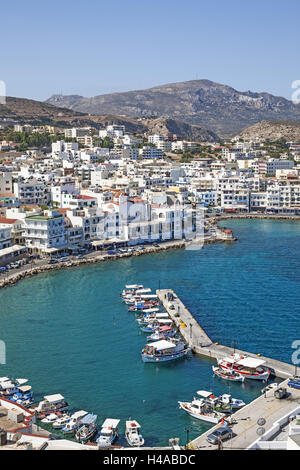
228	374
224	403
50	419
162	332
61	421
199	409
133	434
74	422
87	429
109	433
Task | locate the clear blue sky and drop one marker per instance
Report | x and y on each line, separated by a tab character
90	47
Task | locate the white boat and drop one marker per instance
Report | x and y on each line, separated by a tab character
50	419
228	374
52	403
162	332
74	422
109	433
61	421
162	351
248	367
224	403
199	409
153	317
133	434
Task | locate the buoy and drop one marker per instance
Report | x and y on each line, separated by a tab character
259	354
217	343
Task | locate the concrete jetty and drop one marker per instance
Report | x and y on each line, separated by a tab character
202	344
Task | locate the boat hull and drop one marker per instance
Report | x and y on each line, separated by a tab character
165	358
214	418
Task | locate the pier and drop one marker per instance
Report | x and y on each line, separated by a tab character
201	343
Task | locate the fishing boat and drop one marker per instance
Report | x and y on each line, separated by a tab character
199	409
109	433
8	387
51	404
224	403
228	374
133	434
144	307
163	351
153	317
162	332
130	289
248	367
151	327
87	429
61	421
75	420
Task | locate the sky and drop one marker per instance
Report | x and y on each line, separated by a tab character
91	47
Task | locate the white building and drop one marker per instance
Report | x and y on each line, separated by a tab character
45	233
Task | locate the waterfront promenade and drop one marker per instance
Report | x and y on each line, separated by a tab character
200	342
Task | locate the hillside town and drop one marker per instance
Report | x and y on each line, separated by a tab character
107	189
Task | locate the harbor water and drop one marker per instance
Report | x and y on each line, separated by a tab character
69	332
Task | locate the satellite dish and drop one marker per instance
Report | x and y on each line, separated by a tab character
261	421
260	431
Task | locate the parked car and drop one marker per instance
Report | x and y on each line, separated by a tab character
53	261
111	252
80	256
219	434
3	269
64	259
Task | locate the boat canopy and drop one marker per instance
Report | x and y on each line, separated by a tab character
251	362
79	414
54	398
164	329
151	310
21	381
25	388
162	345
142	291
110	423
89	419
134	286
204	393
132	424
7	385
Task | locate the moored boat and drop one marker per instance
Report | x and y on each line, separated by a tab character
51	404
249	367
74	422
198	409
109	433
163	351
162	332
228	374
224	403
61	421
133	434
87	429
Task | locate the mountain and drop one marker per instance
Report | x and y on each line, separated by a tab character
220	108
38	113
273	130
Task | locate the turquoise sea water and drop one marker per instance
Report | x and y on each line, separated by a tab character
68	331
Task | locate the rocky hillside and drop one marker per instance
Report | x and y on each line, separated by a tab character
273	130
35	112
220	108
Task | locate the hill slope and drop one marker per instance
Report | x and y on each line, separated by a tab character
36	112
218	107
273	130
